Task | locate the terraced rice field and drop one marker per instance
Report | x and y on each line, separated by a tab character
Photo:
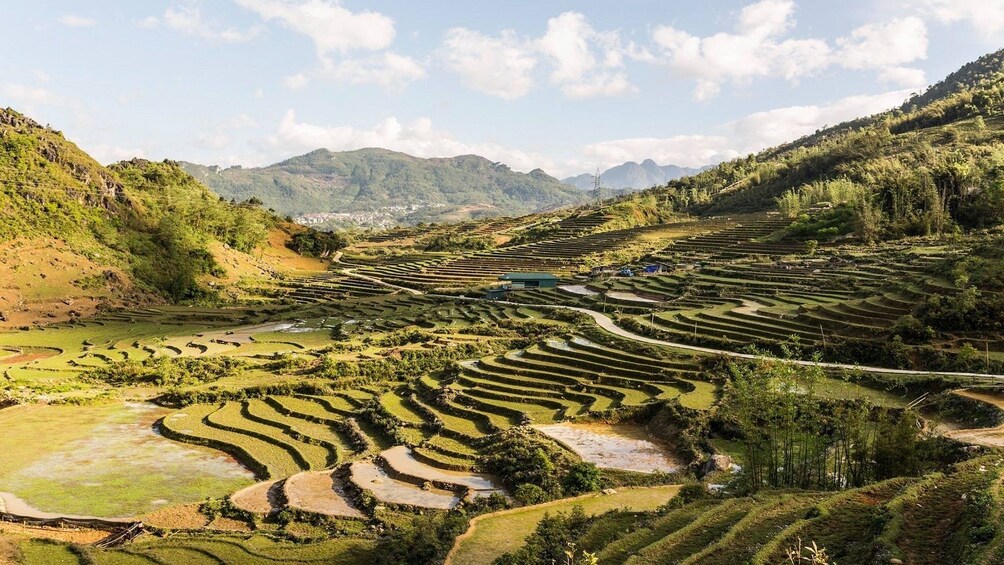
213	550
368	476
277	437
752	301
762	528
575	377
563	255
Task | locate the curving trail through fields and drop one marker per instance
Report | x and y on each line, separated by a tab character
607	324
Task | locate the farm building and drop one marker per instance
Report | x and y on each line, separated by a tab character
498	293
529	280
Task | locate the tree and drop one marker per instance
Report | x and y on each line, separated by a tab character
581	477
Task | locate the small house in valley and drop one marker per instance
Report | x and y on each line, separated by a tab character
517	281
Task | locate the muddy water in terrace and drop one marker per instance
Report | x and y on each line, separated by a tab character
615	446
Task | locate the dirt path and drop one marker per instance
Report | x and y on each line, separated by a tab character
353	273
992	437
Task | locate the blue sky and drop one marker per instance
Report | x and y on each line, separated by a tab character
565	86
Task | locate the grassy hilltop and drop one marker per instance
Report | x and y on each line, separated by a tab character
75	235
929	166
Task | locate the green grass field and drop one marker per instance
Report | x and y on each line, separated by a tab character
494	534
105	460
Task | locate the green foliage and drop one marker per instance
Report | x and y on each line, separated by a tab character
965	309
540	232
581	477
426	539
521	456
791	438
838	191
169	371
824	225
912	330
458	242
528	493
552	542
152	219
313	243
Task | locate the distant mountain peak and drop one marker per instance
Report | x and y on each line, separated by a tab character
382	187
632	175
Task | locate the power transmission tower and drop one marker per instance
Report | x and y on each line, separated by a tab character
596	184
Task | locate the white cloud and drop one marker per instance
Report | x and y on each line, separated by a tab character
501	66
418	138
188	19
906	77
583	62
567	44
881	45
570	44
336	32
759	48
749	134
756	49
213	140
388	70
331	27
72	20
600	85
985	16
299	81
27	97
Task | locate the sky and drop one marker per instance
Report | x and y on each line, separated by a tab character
559	85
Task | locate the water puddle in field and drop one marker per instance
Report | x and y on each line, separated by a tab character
16	356
106	460
579	289
630	297
615	446
368	476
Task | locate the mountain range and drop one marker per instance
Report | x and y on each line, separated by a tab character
633	176
381	187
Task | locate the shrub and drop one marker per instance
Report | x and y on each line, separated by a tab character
527	494
581	477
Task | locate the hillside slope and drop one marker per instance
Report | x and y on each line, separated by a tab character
381	187
76	236
633	175
928	166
